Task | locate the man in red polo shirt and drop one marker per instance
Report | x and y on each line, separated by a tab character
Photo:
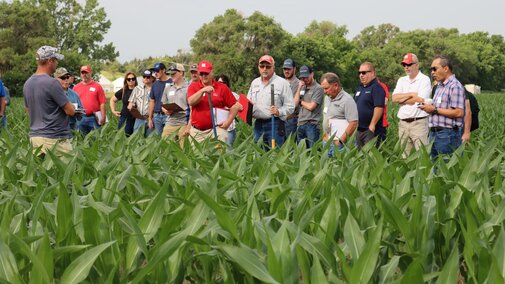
93	100
221	97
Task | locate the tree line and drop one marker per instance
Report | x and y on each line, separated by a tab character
234	43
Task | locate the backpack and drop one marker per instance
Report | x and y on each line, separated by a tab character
474	107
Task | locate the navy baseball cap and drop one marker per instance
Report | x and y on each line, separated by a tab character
158	66
305	71
289	63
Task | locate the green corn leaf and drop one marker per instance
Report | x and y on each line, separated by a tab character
317	273
63	214
353	237
249	261
8	266
78	270
364	267
388	270
45	256
499	252
449	273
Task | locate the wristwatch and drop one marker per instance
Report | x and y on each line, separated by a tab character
435	111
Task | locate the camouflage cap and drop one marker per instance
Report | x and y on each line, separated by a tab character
47	52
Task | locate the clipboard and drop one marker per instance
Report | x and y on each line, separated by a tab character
173	107
337	127
246	113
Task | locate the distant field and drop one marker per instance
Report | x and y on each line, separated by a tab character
143	210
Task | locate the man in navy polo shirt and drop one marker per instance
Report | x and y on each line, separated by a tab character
156	114
370	99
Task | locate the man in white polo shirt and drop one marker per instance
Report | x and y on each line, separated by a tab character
412	90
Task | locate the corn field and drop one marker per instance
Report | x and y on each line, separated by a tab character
135	210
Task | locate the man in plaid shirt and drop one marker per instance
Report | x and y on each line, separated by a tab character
448	109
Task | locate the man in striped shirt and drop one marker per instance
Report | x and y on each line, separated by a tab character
448	109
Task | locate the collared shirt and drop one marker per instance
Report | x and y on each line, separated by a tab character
260	96
313	93
421	85
157	92
449	94
367	98
340	107
179	96
293	84
140	97
221	98
91	95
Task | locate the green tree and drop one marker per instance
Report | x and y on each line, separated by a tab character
234	44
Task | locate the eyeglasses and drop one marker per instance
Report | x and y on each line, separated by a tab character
262	66
363	72
131	79
194	72
408	65
203	74
433	69
147	77
64	77
84	72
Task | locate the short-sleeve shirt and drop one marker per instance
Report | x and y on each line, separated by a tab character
157	92
341	107
45	98
220	98
313	93
367	98
124	97
293	84
260	96
91	95
179	96
2	90
421	85
449	95
140	97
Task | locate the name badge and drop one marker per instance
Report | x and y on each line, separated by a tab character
439	100
325	109
171	93
302	92
357	94
92	89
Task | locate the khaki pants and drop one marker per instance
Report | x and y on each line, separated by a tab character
201	135
46	144
413	134
171	129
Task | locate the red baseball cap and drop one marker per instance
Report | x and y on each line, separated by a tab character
266	58
409	58
86	68
205	66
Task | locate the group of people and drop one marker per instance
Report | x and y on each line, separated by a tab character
206	108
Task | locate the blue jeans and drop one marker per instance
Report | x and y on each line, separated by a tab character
445	141
3	121
142	123
308	132
128	122
232	135
263	127
333	148
87	124
291	125
159	122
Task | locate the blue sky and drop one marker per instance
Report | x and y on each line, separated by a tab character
158	27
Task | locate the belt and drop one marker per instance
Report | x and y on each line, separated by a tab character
409	120
437	128
198	128
90	115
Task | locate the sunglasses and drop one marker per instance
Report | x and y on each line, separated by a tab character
203	74
65	77
363	72
84	72
131	79
407	65
433	69
147	77
262	66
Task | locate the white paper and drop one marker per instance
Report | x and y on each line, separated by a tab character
98	115
220	115
337	127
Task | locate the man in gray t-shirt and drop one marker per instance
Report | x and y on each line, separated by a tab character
47	104
309	96
340	112
289	70
176	93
